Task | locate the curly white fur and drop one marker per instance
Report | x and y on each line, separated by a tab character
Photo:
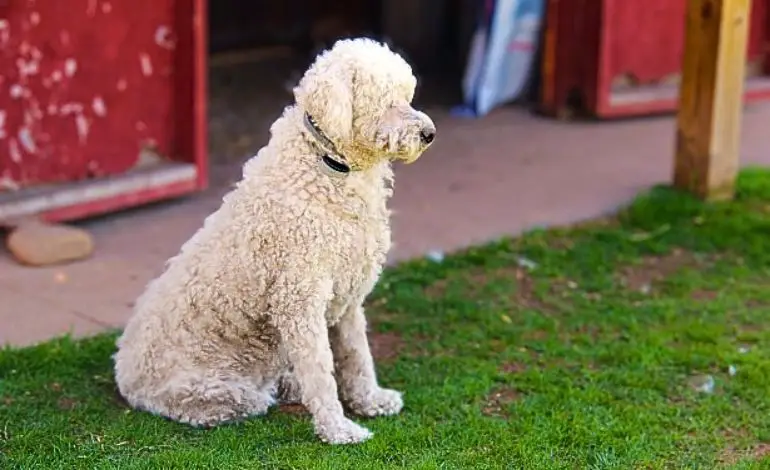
264	302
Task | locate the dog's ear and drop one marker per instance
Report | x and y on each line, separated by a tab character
326	92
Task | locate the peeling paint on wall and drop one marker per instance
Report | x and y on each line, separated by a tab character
83	126
13	151
70	67
146	64
76	82
16	91
100	109
5	33
164	37
2	124
26	140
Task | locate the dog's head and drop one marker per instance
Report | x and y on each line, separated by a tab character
359	93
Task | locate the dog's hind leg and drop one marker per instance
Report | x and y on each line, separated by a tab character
206	400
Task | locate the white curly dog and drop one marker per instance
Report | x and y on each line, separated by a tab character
264	302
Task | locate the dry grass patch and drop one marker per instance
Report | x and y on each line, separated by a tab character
650	270
498	400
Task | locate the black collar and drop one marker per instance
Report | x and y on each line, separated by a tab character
337	166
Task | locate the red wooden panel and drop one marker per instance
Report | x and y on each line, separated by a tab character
190	87
623	57
85	84
571	55
645	40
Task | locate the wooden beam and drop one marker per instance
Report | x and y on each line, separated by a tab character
711	97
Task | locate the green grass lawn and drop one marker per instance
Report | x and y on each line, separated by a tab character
634	342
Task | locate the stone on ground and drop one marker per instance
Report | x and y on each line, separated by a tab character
37	243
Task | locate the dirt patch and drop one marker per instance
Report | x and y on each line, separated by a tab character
761	451
643	276
63	403
536	335
731	456
513	368
527	297
66	404
594	332
475	279
471	276
566	239
293	409
704	295
385	346
754	303
498	400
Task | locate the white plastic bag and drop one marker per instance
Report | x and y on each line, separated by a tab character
502	54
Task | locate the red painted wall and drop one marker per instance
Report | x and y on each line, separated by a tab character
646	38
596	48
85	84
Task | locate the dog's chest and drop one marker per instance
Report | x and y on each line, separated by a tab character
361	251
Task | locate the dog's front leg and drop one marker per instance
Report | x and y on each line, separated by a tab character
306	341
355	368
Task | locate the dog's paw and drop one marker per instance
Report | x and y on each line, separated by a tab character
342	431
380	402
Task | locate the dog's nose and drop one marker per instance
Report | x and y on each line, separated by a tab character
427	135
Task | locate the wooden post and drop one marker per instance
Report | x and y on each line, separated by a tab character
711	97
